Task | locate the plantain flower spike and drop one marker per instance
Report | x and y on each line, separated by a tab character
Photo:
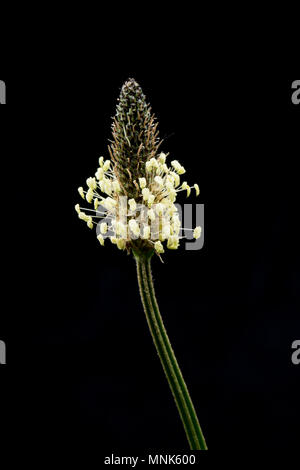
132	199
137	172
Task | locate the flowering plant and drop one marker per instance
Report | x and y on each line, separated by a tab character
133	195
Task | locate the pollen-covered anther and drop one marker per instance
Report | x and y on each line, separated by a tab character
134	227
151	214
173	242
151	200
101	239
99	174
166	232
158	180
162	158
90	222
197	189
83	216
197	232
159	247
169	185
172	209
77	208
81	192
187	187
177	167
89	195
145	193
121	244
91	183
152	164
142	182
109	203
132	205
121	229
106	165
103	227
176	224
176	178
146	232
116	186
159	208
172	195
107	186
164	168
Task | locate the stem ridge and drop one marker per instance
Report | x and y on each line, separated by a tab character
167	357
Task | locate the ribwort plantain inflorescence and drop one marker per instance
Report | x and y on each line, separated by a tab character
133	195
134	191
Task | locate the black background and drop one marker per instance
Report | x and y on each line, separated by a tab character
81	367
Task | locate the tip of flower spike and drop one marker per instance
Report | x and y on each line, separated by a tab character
131	85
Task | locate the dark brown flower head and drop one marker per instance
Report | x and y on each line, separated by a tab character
135	137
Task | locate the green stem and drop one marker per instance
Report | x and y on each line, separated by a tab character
167	357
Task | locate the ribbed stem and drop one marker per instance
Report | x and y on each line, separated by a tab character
167	357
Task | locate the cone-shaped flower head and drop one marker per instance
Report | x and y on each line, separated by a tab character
134	193
135	137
